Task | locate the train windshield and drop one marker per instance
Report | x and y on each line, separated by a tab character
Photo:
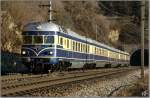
27	39
48	39
38	39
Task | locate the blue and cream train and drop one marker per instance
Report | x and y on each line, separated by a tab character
48	46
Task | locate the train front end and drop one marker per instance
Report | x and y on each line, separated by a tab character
39	46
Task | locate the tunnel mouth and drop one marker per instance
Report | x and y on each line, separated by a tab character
135	59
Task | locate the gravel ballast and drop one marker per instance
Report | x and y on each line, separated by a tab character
105	86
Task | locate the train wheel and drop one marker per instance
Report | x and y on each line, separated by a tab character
94	65
46	68
107	65
60	66
52	68
32	68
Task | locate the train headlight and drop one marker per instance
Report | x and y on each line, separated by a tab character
39	27
23	52
50	52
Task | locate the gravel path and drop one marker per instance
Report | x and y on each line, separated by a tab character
105	86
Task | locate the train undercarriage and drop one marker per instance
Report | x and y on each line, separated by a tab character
45	67
62	66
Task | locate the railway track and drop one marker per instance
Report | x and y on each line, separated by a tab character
31	86
20	77
15	82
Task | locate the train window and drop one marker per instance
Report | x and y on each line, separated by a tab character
97	51
93	50
73	45
85	48
88	48
61	41
100	52
64	41
103	52
78	46
81	47
67	43
70	44
27	39
38	39
49	39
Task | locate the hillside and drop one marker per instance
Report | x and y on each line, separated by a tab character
118	23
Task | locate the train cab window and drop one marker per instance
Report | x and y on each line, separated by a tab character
38	39
49	39
27	39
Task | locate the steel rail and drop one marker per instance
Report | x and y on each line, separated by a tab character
23	89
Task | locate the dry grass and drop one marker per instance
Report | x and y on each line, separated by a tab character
139	89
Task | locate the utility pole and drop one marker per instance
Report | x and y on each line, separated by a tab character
96	31
142	36
49	11
95	39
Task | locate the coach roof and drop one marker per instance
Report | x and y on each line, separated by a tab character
42	26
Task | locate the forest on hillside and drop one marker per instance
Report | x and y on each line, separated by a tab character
118	22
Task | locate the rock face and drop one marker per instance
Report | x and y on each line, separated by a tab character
11	34
113	35
18	13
